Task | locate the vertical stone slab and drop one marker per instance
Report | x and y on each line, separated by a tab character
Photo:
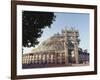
76	54
76	48
66	48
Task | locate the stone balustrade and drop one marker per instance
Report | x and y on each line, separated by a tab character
43	58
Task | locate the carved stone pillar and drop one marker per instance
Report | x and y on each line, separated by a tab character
33	58
55	57
60	58
51	58
27	60
47	58
43	58
76	54
66	48
76	48
39	58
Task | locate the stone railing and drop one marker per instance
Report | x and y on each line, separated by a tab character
44	58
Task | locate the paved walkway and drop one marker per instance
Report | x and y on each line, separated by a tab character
80	64
51	65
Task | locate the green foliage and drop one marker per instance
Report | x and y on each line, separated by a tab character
33	24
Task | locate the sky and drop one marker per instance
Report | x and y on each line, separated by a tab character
67	20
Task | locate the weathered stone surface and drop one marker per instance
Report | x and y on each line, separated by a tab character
57	41
59	50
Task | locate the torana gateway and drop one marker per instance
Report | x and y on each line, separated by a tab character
59	50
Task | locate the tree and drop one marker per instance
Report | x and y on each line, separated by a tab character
33	24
